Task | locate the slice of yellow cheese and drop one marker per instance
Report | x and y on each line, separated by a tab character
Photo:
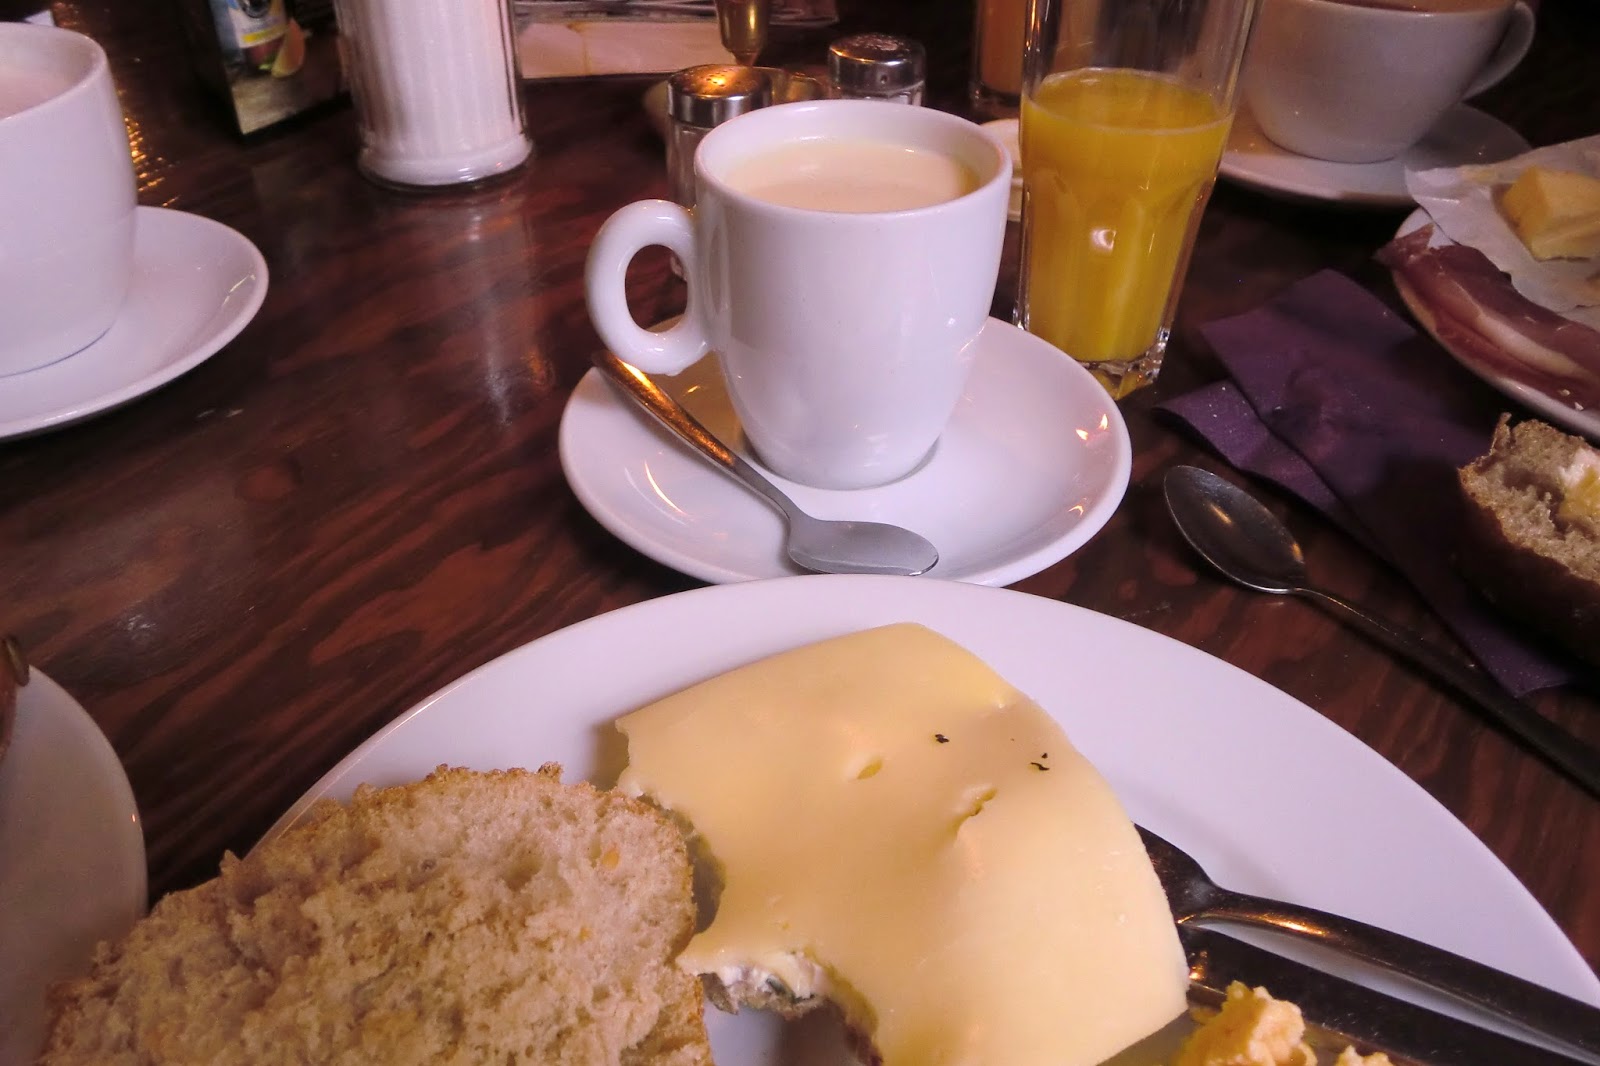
1556	213
900	830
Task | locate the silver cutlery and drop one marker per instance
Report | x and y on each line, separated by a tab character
827	547
1235	533
1195	898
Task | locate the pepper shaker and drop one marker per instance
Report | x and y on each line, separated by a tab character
698	100
876	66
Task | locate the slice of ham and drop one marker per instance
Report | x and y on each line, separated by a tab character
1468	304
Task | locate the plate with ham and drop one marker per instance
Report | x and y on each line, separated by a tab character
1541	358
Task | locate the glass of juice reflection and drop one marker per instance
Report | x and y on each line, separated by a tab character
1126	107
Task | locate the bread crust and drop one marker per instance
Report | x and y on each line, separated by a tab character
1517	572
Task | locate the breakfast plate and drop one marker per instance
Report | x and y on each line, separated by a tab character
196	284
72	867
1270	796
1463	135
1035	460
1550	408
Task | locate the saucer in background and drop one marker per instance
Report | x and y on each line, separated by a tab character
196	284
1463	135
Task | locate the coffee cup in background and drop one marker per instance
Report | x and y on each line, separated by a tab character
1358	81
67	196
841	260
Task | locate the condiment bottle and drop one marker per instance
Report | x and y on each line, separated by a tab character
698	100
876	66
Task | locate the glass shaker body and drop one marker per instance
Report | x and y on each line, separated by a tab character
698	100
876	66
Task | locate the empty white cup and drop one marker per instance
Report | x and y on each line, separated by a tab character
1358	81
67	196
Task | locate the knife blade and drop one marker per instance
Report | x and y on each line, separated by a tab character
1348	1013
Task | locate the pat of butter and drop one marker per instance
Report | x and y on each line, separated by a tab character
898	828
1556	213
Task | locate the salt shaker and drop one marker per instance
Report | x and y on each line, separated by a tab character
876	66
698	100
435	84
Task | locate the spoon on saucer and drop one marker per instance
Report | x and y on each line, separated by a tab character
827	547
1235	533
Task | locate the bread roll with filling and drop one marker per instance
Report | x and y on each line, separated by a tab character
1531	539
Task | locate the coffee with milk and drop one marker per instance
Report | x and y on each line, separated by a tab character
853	176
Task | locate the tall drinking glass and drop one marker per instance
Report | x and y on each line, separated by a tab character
1126	106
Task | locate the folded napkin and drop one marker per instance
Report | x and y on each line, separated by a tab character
1336	399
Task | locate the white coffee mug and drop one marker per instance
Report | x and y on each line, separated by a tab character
1358	81
67	196
845	336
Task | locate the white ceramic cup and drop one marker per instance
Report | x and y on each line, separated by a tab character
67	196
1358	81
845	337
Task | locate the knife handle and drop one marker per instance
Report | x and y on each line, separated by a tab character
1535	1008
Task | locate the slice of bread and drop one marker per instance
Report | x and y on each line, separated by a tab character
1531	538
471	917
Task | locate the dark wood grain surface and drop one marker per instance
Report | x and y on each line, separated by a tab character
245	574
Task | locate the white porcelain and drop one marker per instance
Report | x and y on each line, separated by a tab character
1550	408
1009	133
846	337
435	88
1271	796
1033	463
1358	83
196	284
67	195
1463	135
72	867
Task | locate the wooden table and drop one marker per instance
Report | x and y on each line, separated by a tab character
245	574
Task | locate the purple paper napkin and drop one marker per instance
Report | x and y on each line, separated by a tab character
1337	400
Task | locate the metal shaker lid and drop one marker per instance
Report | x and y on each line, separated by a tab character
711	94
876	64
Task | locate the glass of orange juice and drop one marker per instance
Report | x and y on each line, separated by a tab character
1126	107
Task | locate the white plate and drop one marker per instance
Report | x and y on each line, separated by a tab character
1033	463
1269	795
71	857
1541	403
1463	135
196	283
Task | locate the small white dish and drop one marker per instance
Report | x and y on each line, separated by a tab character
1308	812
1034	461
196	284
1550	408
1463	135
72	869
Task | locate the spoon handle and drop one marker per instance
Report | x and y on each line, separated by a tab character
1530	1006
1564	751
670	413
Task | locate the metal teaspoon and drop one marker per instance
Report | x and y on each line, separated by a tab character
828	547
1235	533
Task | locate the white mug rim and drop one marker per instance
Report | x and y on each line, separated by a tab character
1000	159
65	40
1379	11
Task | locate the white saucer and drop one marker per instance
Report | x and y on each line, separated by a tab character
196	283
1033	463
72	867
1463	135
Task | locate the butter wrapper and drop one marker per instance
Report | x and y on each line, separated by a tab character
1463	203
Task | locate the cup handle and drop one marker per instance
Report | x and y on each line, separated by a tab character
624	234
1514	44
